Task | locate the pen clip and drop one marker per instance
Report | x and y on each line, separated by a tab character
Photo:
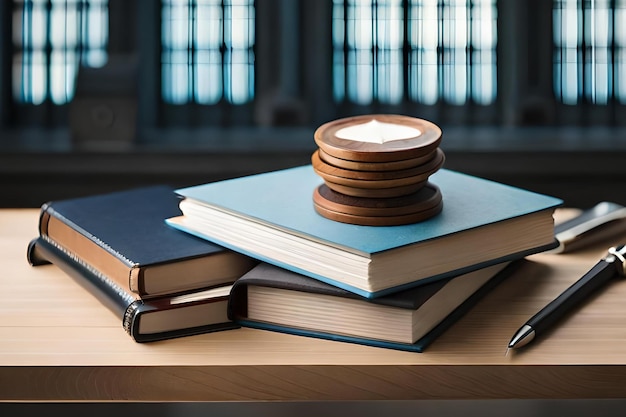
618	253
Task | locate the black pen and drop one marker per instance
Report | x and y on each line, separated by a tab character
610	266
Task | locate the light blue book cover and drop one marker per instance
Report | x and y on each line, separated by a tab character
284	200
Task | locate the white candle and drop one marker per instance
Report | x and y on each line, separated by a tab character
377	132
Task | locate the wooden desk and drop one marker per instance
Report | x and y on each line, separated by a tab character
58	343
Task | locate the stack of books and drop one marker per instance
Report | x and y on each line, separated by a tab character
254	251
390	286
160	282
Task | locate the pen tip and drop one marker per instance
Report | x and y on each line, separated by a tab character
522	337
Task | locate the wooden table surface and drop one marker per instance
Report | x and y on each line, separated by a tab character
58	343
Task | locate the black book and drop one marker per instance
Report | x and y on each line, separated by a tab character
272	298
144	320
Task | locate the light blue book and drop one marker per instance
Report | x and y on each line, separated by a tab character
271	217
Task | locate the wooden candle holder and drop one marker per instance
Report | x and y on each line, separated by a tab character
376	169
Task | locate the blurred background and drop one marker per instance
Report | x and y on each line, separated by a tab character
100	95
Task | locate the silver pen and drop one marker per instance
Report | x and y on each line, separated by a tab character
602	221
612	265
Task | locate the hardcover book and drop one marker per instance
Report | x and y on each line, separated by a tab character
273	298
271	217
148	320
123	236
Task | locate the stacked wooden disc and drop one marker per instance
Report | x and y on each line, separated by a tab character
376	170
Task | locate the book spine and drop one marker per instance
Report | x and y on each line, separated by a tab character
131	318
34	255
106	291
44	217
48	211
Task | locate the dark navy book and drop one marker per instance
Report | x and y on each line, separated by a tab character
123	236
277	299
